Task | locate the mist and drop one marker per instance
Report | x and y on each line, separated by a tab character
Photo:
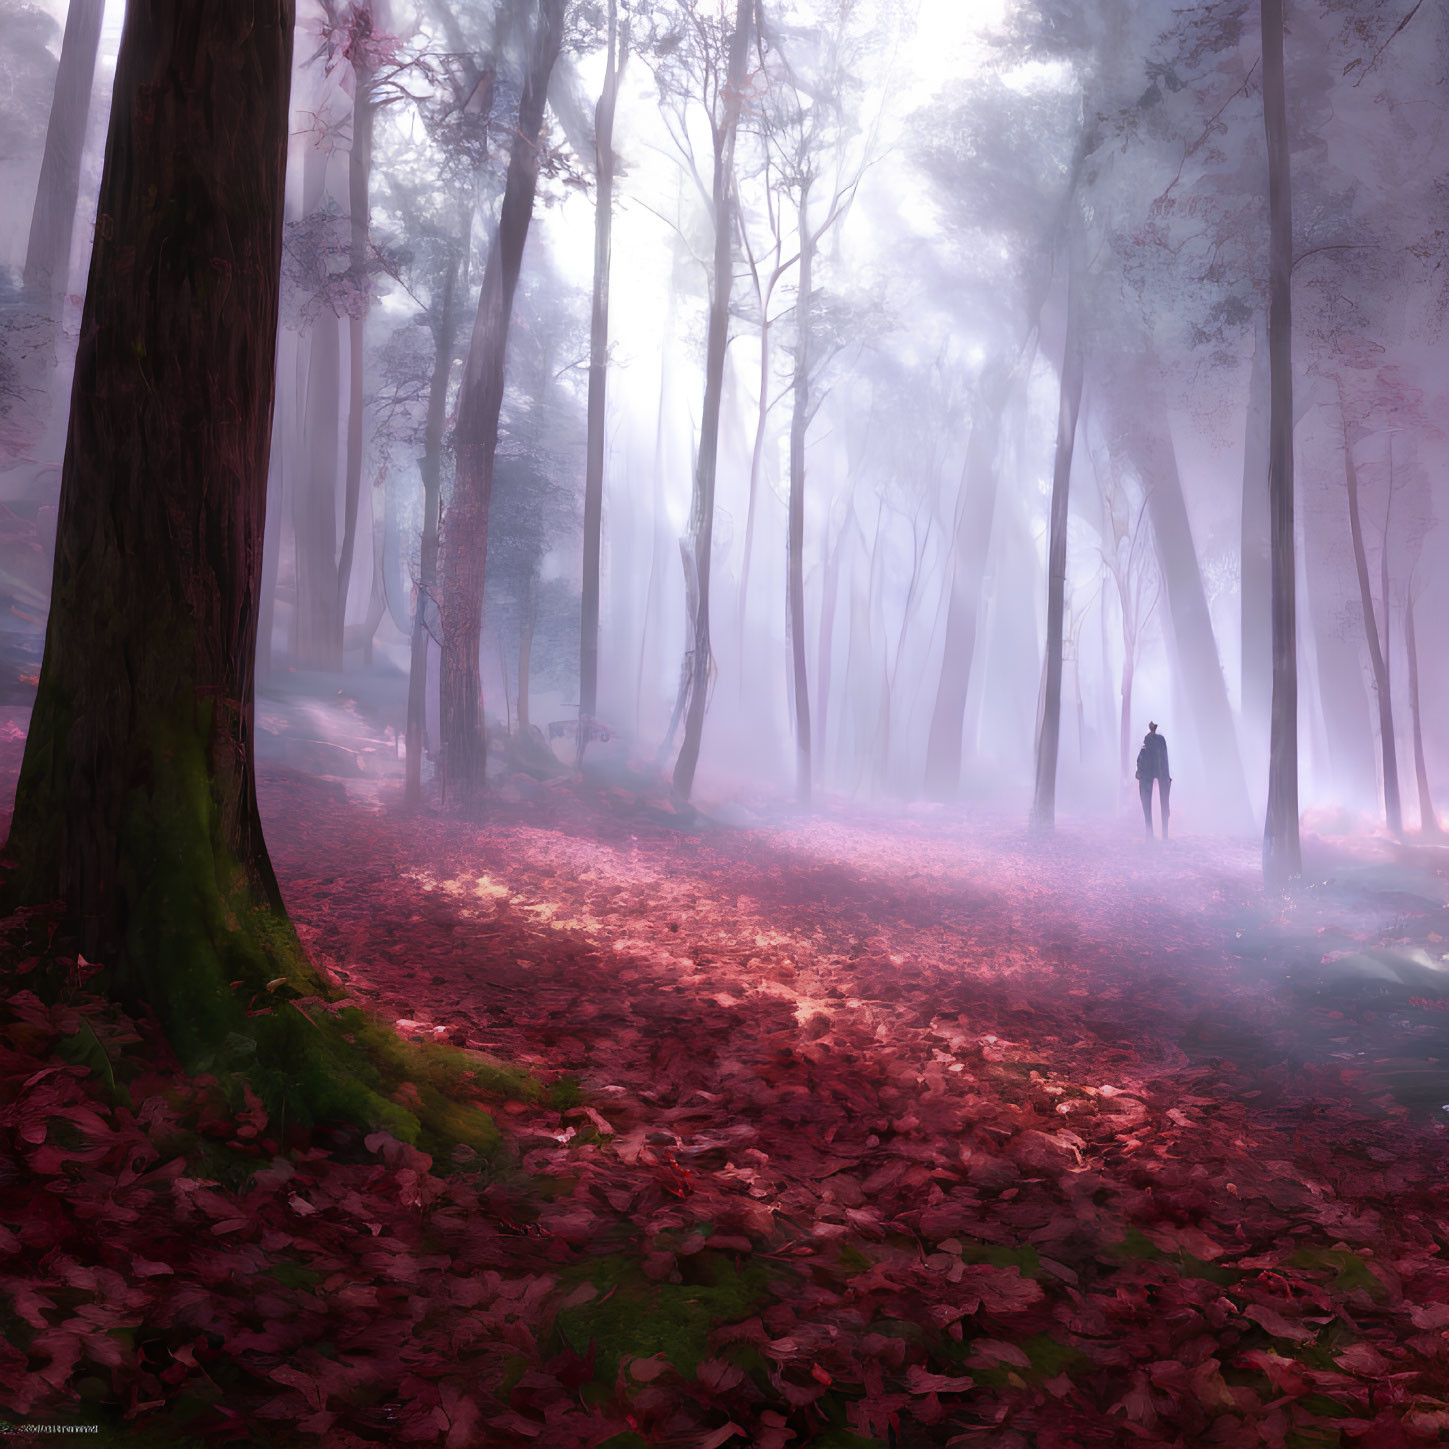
669	560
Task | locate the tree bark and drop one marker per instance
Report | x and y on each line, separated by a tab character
795	543
701	522
1282	856
1043	812
475	437
1378	658
1428	816
359	173
598	379
52	223
968	570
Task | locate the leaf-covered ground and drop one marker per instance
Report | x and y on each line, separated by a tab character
842	1130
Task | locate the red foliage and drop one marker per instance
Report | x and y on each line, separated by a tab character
969	1112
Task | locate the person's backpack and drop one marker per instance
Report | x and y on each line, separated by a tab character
1144	764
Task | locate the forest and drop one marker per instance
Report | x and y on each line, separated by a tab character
595	601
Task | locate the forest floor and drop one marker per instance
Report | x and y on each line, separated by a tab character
849	1129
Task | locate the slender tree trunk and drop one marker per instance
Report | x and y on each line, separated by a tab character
1255	571
799	422
1378	659
480	401
598	378
1044	803
1428	816
525	654
968	570
52	223
716	340
1282	857
757	461
317	636
359	173
377	594
825	651
425	611
1129	666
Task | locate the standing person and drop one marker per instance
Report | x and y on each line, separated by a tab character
1152	765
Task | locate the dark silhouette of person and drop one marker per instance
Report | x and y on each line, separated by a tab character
1152	765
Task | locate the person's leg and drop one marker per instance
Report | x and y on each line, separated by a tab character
1164	789
1144	789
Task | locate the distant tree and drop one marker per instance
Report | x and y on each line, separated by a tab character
52	223
703	61
1378	644
1428	816
475	438
822	146
616	53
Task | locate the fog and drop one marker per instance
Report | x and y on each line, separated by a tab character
981	192
602	607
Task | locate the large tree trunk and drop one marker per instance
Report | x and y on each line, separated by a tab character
480	401
1377	649
598	379
1150	447
701	521
359	173
968	569
52	223
795	545
1428	816
1044	802
1282	857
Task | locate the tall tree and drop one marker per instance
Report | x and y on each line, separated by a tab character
52	223
475	436
136	806
615	56
1044	801
360	49
724	117
1282	856
443	321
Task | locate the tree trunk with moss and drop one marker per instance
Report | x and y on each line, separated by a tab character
52	223
136	806
1282	854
